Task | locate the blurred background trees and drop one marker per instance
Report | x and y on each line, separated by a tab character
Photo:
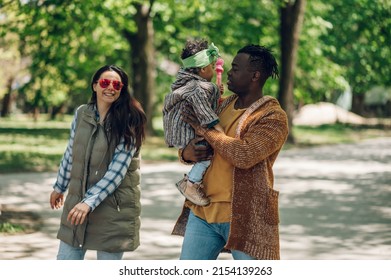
50	49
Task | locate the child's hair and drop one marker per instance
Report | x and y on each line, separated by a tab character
261	59
191	48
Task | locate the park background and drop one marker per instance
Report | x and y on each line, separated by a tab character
334	61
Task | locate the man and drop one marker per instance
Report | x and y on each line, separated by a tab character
242	216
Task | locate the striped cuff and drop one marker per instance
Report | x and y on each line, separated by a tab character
212	124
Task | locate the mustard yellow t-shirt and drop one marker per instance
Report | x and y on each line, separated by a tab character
218	177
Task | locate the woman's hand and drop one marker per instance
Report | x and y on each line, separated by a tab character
78	213
194	151
56	200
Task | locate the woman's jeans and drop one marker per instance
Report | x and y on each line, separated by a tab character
204	241
67	252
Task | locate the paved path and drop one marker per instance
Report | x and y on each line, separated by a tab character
335	203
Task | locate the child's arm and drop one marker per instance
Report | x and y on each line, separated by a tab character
221	90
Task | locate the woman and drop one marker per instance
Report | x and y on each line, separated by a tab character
100	170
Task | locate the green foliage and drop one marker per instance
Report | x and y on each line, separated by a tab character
229	25
10	228
52	48
317	77
359	41
64	48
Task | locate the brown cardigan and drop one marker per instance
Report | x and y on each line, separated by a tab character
260	135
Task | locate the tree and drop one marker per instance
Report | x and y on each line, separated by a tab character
12	65
12	70
65	41
230	25
291	16
143	59
61	46
360	40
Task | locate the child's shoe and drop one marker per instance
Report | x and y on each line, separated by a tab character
192	191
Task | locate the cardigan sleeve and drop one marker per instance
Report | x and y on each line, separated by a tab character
259	139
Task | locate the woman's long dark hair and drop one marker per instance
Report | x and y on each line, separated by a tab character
125	117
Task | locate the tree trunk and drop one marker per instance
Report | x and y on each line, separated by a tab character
7	100
358	104
291	17
143	60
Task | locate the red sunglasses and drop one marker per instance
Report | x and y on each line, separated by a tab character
104	83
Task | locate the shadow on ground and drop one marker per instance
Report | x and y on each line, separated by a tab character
334	204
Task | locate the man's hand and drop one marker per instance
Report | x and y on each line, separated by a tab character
195	152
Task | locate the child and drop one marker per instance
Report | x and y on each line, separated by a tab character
192	88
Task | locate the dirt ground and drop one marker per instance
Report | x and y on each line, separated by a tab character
334	205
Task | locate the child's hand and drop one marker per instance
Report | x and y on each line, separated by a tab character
221	89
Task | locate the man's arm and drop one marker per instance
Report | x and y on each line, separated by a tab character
264	137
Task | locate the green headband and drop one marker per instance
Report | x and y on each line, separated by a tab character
202	58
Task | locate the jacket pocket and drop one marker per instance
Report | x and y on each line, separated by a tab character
272	216
115	201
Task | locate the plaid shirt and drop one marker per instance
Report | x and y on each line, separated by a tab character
111	180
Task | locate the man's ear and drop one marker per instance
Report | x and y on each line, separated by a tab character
94	86
256	76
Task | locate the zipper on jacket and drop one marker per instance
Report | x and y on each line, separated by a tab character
116	202
76	237
96	171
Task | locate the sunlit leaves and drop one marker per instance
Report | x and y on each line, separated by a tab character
63	42
361	37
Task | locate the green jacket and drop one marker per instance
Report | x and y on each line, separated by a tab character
114	225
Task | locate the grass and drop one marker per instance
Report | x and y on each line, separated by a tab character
35	149
28	146
154	149
16	221
11	228
335	134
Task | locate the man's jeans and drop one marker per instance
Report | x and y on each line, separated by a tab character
67	252
204	241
